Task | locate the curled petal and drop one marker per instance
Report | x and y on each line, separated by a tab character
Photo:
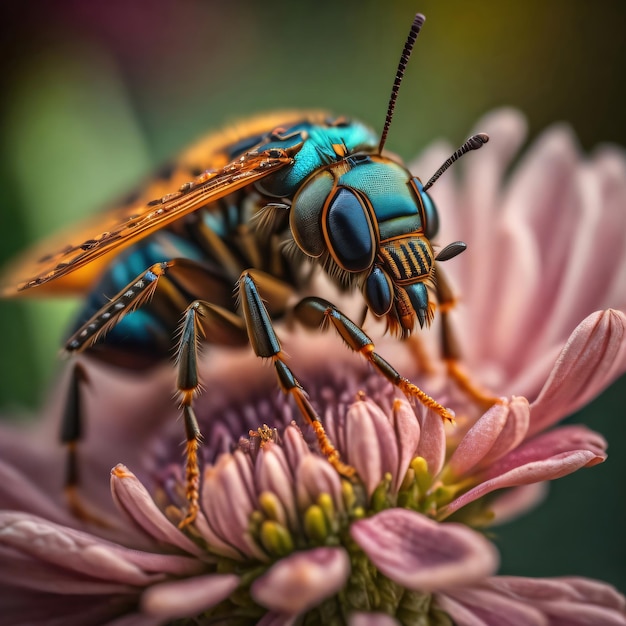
229	499
499	430
421	554
272	474
372	448
551	444
188	597
302	580
295	446
595	354
407	433
217	544
315	477
546	457
432	443
135	501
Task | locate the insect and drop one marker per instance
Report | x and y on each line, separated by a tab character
254	208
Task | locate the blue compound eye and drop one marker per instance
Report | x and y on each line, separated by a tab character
350	232
378	292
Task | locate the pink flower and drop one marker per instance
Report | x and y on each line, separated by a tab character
281	536
546	254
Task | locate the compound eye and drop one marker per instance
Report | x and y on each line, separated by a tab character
378	292
305	217
428	210
349	231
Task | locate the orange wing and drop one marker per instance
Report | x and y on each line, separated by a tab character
73	259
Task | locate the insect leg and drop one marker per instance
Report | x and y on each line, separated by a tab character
315	312
70	435
267	345
130	298
450	348
201	320
225	326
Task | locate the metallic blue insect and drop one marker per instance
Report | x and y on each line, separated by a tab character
255	208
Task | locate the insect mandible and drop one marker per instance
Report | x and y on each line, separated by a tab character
254	208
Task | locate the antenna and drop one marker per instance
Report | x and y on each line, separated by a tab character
473	143
418	22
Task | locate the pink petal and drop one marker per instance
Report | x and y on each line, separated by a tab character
135	501
566	601
216	543
25	573
295	446
477	215
422	554
489	608
432	443
539	193
566	614
271	618
462	615
407	432
40	609
576	277
228	499
481	202
595	354
316	476
609	165
372	448
546	457
272	473
546	445
372	619
499	430
188	597
302	580
596	591
469	212
37	548
572	588
20	494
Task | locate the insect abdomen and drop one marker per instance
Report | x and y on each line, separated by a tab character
149	329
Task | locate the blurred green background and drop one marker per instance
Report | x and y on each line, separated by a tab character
95	94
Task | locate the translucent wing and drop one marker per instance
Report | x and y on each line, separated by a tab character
127	225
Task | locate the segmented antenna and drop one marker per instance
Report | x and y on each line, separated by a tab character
473	143
418	22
